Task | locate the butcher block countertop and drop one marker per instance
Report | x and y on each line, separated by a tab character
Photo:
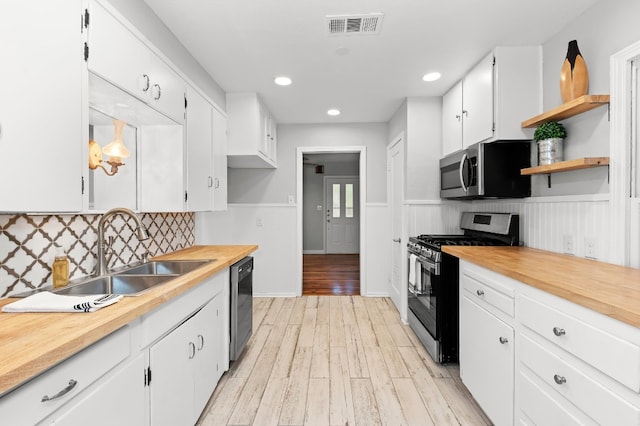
31	343
609	289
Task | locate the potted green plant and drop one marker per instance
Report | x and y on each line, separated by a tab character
549	137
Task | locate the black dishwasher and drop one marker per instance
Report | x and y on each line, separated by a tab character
241	310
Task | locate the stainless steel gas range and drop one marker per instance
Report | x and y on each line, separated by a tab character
433	278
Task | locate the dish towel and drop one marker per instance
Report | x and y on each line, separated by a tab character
46	301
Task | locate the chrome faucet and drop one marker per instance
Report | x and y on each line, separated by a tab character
101	267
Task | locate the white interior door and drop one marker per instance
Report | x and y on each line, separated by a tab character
395	161
342	214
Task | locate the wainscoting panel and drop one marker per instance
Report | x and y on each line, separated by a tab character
544	222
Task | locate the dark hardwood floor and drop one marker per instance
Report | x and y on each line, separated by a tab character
331	274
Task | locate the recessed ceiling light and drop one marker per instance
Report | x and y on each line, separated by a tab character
282	80
432	76
333	112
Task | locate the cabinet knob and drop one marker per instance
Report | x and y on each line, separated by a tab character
503	340
144	82
200	342
559	331
480	292
559	379
156	92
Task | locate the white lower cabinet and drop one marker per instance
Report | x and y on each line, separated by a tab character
184	368
486	360
119	400
160	369
565	364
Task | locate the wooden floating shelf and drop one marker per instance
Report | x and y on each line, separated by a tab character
564	166
569	109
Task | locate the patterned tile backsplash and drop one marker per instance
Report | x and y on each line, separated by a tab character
27	244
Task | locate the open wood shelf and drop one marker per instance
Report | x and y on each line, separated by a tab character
569	109
563	166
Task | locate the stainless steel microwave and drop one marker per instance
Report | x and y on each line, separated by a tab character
486	170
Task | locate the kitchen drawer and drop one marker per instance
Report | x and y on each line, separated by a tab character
591	344
479	286
595	400
538	405
24	405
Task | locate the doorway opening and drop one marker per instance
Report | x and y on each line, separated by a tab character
331	221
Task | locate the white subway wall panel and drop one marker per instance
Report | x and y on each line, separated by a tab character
543	222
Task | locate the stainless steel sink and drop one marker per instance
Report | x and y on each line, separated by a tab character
165	267
131	285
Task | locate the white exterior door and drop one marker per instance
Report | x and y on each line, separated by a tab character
395	161
342	214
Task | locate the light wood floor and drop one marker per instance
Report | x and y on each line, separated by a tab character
337	360
330	274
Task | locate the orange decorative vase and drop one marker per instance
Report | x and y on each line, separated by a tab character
574	76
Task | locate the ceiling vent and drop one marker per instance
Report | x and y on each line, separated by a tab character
354	24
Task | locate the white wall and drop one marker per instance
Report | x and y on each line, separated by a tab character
601	31
275	186
423	148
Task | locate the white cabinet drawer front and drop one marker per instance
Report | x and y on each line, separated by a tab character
24	405
481	287
595	346
595	400
540	407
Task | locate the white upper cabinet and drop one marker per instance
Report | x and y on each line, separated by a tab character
41	129
493	98
252	139
452	120
219	161
199	157
206	155
118	56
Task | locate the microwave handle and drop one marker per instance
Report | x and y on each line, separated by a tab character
462	162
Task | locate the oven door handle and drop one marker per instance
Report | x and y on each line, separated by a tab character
464	159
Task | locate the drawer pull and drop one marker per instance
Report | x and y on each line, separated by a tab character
200	342
72	384
192	350
559	331
480	292
503	340
559	379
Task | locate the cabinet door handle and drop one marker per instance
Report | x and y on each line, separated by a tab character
156	92
559	331
559	379
397	240
503	340
192	350
217	185
458	117
72	384
480	292
200	342
465	112
144	82
209	181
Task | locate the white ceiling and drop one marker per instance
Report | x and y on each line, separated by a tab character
244	44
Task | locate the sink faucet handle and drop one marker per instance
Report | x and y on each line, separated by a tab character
145	255
108	252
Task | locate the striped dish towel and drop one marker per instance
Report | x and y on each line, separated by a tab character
49	302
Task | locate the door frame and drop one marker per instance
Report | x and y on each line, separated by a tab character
362	174
326	204
620	138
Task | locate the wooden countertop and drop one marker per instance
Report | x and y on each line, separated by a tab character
31	343
609	289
